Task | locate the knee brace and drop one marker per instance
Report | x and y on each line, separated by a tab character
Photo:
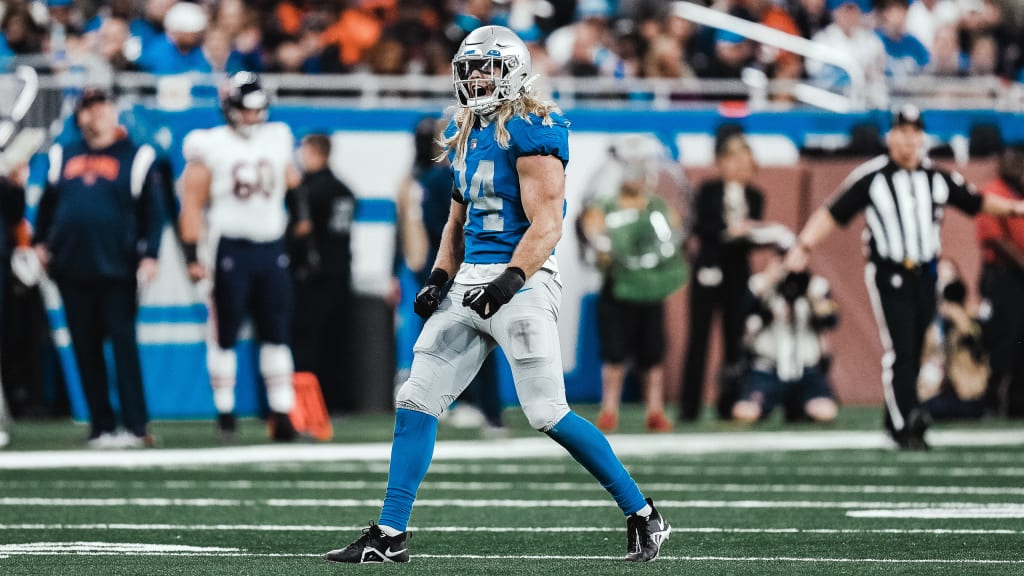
276	368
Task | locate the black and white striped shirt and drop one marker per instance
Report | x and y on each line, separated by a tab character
903	208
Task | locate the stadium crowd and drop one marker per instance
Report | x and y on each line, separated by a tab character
895	39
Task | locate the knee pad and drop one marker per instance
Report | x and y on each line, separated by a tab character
222	365
275	360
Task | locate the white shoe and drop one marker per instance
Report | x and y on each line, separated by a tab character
105	441
466	416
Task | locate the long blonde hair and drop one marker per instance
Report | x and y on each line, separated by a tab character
523	106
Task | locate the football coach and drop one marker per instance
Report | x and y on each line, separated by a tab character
98	235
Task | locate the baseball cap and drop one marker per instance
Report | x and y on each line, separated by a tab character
185	17
91	96
907	114
864	5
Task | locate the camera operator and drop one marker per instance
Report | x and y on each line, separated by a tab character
789	361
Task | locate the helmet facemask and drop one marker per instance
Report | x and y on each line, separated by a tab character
246	95
483	82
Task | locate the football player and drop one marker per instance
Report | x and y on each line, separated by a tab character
240	173
508	152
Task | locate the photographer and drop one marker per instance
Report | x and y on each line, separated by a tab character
789	363
955	367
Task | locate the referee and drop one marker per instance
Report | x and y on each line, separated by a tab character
903	196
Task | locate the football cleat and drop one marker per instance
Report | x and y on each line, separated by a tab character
645	535
373	546
227	427
281	427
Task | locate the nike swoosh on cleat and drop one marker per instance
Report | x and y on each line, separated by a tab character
523	290
392	553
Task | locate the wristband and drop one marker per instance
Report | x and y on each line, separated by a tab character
191	255
438	277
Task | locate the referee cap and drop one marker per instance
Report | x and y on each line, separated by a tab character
907	114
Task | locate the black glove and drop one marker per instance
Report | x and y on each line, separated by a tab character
429	297
486	299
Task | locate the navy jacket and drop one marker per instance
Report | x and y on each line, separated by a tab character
101	211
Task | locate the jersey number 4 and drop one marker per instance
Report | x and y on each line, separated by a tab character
482	196
253	178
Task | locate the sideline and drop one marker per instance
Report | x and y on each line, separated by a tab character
505	449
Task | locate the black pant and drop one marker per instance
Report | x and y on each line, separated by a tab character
1004	338
908	307
320	337
732	297
98	309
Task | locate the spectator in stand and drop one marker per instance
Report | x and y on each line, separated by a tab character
235	20
20	31
587	46
150	27
180	49
735	52
356	30
1002	283
810	16
112	9
849	33
947	59
111	41
926	17
906	56
983	56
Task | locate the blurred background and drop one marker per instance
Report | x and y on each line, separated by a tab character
809	84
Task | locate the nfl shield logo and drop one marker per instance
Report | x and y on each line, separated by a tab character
472	144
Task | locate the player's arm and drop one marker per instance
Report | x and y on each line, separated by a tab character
449	258
196	194
453	241
542	189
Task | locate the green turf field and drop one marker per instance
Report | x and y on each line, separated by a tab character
745	507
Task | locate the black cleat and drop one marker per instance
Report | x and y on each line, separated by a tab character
645	535
281	427
227	427
911	437
373	546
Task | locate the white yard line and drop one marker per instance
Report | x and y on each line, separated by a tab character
119	549
655	487
534	447
1006	507
500	529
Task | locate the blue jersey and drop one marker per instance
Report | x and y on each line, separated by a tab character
489	183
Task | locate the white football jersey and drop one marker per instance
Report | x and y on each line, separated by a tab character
248	181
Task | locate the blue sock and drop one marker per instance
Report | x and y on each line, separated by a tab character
590	448
411	451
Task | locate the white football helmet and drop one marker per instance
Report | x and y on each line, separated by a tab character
491	66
